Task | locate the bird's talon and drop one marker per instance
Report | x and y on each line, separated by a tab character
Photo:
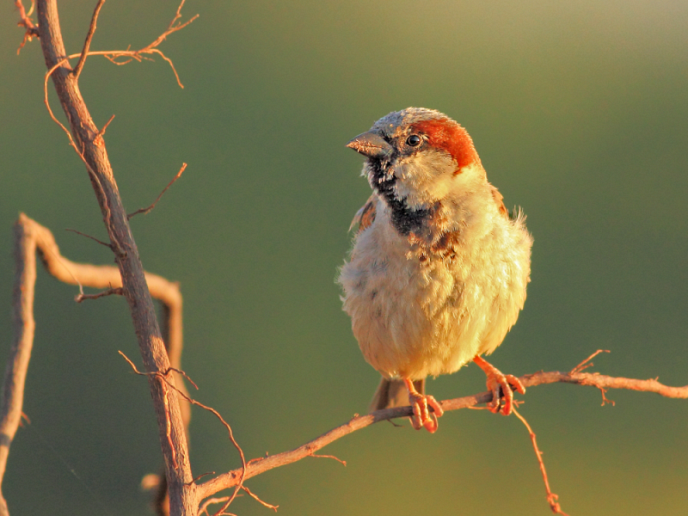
422	417
502	387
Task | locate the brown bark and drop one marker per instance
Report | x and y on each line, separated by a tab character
261	465
92	149
32	238
20	353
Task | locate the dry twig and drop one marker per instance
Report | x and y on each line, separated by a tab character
258	466
109	292
552	498
84	137
147	210
163	377
31	239
26	22
89	37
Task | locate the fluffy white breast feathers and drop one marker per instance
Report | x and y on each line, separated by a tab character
438	271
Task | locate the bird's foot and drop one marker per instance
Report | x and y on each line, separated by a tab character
502	387
422	403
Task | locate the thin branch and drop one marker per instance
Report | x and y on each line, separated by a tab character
257	499
89	37
586	363
98	140
31	239
258	466
109	292
26	22
342	462
109	246
82	135
163	377
211	501
137	55
552	498
147	210
20	352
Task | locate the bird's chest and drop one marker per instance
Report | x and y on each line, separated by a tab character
404	281
418	305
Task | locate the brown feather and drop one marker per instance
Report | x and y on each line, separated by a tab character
393	393
499	200
365	216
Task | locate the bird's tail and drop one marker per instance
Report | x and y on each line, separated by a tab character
393	393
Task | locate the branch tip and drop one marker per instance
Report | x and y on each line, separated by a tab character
551	497
89	37
149	208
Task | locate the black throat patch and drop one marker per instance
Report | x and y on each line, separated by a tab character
404	219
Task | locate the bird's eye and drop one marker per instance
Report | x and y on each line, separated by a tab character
413	140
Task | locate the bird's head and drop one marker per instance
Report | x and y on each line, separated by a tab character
418	157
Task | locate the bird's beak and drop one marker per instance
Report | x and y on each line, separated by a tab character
371	145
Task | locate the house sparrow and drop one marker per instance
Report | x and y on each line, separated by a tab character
438	270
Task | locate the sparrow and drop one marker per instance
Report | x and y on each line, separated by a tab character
438	270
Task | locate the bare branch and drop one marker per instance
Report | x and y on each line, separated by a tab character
552	498
263	464
211	501
257	499
137	55
109	246
147	210
586	363
342	462
20	353
109	292
89	37
163	377
26	22
98	140
32	238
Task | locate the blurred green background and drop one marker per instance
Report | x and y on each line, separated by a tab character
579	111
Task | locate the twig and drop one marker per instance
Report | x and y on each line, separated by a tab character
256	498
20	352
89	37
231	478
586	363
552	498
31	239
211	501
26	22
109	292
140	54
202	475
95	178
163	377
147	210
343	462
109	246
98	140
182	493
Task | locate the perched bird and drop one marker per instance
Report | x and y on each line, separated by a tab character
438	270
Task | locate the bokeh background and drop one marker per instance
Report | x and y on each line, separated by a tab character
579	111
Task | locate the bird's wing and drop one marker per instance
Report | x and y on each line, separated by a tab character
365	216
499	201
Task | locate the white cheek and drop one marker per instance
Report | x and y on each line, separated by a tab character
424	178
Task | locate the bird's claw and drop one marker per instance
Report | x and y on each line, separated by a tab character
421	404
502	387
422	417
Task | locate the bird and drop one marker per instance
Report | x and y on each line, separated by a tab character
438	270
